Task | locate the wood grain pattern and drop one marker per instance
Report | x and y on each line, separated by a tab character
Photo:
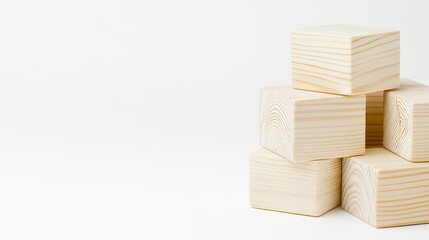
304	126
310	188
406	122
375	114
374	119
385	190
344	59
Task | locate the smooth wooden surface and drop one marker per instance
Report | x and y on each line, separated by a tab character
344	59
374	119
375	116
385	190
303	126
406	122
277	184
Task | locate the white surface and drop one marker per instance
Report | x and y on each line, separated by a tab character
135	119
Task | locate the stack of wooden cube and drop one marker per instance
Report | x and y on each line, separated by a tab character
347	132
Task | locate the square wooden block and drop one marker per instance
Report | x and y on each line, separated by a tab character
345	59
406	122
385	190
310	188
304	126
375	116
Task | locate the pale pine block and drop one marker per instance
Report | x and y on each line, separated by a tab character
304	126
374	119
384	189
375	116
406	122
345	59
310	188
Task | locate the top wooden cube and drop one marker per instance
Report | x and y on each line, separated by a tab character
344	59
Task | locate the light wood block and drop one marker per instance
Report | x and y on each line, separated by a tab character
374	119
385	190
406	122
304	126
310	188
375	116
345	59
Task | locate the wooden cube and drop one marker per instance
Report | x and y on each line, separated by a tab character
345	59
385	190
304	126
406	122
310	188
375	116
374	119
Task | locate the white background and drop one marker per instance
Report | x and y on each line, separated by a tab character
135	119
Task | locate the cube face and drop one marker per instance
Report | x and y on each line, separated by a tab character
420	132
276	129
406	122
358	194
304	126
277	184
398	126
345	59
385	190
374	119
